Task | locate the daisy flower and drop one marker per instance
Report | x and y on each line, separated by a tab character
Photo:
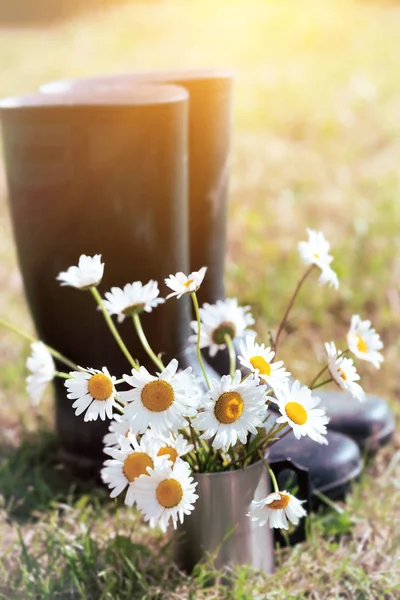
134	298
232	409
41	365
93	391
168	493
364	342
172	446
160	402
185	284
276	509
316	252
87	274
259	360
217	320
127	463
344	372
118	427
298	409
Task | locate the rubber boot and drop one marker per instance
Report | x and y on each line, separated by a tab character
100	174
210	126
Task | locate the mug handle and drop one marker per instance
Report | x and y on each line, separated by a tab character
303	481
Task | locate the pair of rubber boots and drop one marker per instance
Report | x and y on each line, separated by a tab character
135	167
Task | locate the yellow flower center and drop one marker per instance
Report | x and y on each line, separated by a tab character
316	255
136	464
258	362
157	395
343	376
296	413
100	386
168	451
281	503
361	344
226	327
228	407
169	493
188	282
133	309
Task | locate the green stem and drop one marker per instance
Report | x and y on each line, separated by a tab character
274	481
62	375
318	375
342	353
199	356
113	329
291	302
272	433
251	450
322	383
270	471
232	355
193	437
284	434
143	339
329	502
246	376
31	339
119	408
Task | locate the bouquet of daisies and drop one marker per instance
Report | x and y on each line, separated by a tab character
166	424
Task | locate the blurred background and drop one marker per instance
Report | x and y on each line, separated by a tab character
316	144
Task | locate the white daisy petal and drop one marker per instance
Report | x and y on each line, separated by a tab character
166	494
316	252
130	461
329	276
162	402
294	405
118	427
231	409
172	446
181	284
344	372
276	509
93	391
133	299
217	320
88	273
259	359
41	365
364	342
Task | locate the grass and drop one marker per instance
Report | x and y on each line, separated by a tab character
316	145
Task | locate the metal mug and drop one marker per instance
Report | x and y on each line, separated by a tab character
219	529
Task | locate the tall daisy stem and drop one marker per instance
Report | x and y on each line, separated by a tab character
270	471
113	329
318	375
232	355
259	446
199	356
62	375
143	339
57	355
194	442
321	384
272	434
273	479
290	305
